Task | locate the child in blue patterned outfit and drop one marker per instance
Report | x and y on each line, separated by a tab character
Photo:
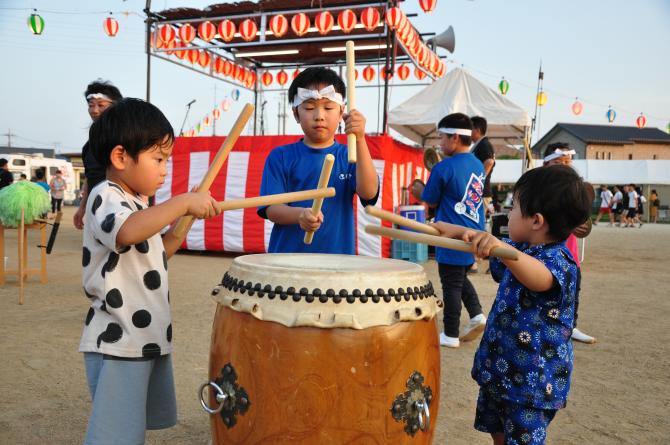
524	360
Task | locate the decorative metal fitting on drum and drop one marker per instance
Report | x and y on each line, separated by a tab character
412	406
232	398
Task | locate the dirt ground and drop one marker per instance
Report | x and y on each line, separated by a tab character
620	389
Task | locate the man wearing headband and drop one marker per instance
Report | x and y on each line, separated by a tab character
99	95
317	98
456	187
560	153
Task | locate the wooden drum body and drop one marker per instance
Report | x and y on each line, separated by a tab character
323	349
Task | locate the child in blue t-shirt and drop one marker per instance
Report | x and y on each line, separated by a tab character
524	360
317	98
456	187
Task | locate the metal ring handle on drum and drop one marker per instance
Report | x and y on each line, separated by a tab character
422	408
221	397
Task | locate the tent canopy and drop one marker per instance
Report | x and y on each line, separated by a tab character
458	92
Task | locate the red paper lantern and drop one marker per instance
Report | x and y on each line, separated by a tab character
166	33
641	121
422	54
180	53
282	78
394	17
206	31
404	30
239	73
251	79
419	74
193	55
370	18
204	59
368	73
295	73
156	41
266	78
216	114
171	45
346	20
206	121
279	25
248	30
218	65
383	75
324	22
187	33
300	24
227	68
577	107
225	105
434	62
442	69
403	72
111	26
427	5
227	30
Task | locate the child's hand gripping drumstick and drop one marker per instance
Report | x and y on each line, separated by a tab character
326	169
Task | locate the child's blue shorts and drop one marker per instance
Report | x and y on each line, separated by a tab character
129	397
522	425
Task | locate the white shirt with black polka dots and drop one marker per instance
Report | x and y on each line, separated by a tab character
127	285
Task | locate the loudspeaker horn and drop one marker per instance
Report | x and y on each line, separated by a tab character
446	40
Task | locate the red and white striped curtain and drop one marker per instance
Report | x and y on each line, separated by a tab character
240	177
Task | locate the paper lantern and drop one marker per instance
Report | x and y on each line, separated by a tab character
355	74
346	20
295	73
279	25
239	73
251	79
218	65
166	33
611	115
156	41
193	55
443	69
370	18
404	30
227	68
394	17
235	94
248	30
419	74
204	59
171	45
282	78
225	105
111	26
206	121
206	31
180	53
300	24
266	78
403	72
368	73
227	30
428	5
541	98
422	54
641	121
383	73
187	33
577	107
503	86
36	24
324	22
216	114
434	63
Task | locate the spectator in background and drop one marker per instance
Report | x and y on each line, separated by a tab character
633	199
654	204
605	204
57	189
39	180
6	177
99	95
617	204
23	177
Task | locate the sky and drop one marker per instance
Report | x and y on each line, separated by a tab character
606	52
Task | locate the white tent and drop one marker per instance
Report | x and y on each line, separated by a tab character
458	92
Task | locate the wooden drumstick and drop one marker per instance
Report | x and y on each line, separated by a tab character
351	97
401	220
438	241
323	183
280	198
185	222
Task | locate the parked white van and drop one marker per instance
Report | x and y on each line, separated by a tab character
28	164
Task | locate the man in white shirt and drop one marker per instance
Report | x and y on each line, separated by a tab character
631	217
605	204
617	206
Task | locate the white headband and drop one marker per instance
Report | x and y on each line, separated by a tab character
558	153
326	93
98	96
461	131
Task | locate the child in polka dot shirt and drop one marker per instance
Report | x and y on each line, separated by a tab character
127	338
524	361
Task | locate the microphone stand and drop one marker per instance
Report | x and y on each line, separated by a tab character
188	108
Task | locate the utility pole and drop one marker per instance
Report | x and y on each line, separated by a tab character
9	135
284	97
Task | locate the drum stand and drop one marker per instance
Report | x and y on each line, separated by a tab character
23	272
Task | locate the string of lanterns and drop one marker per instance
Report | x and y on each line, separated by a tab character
215	114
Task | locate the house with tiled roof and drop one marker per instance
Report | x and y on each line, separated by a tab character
608	142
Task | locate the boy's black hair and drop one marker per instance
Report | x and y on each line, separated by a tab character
3	162
551	148
457	120
313	77
134	124
558	193
103	87
480	124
